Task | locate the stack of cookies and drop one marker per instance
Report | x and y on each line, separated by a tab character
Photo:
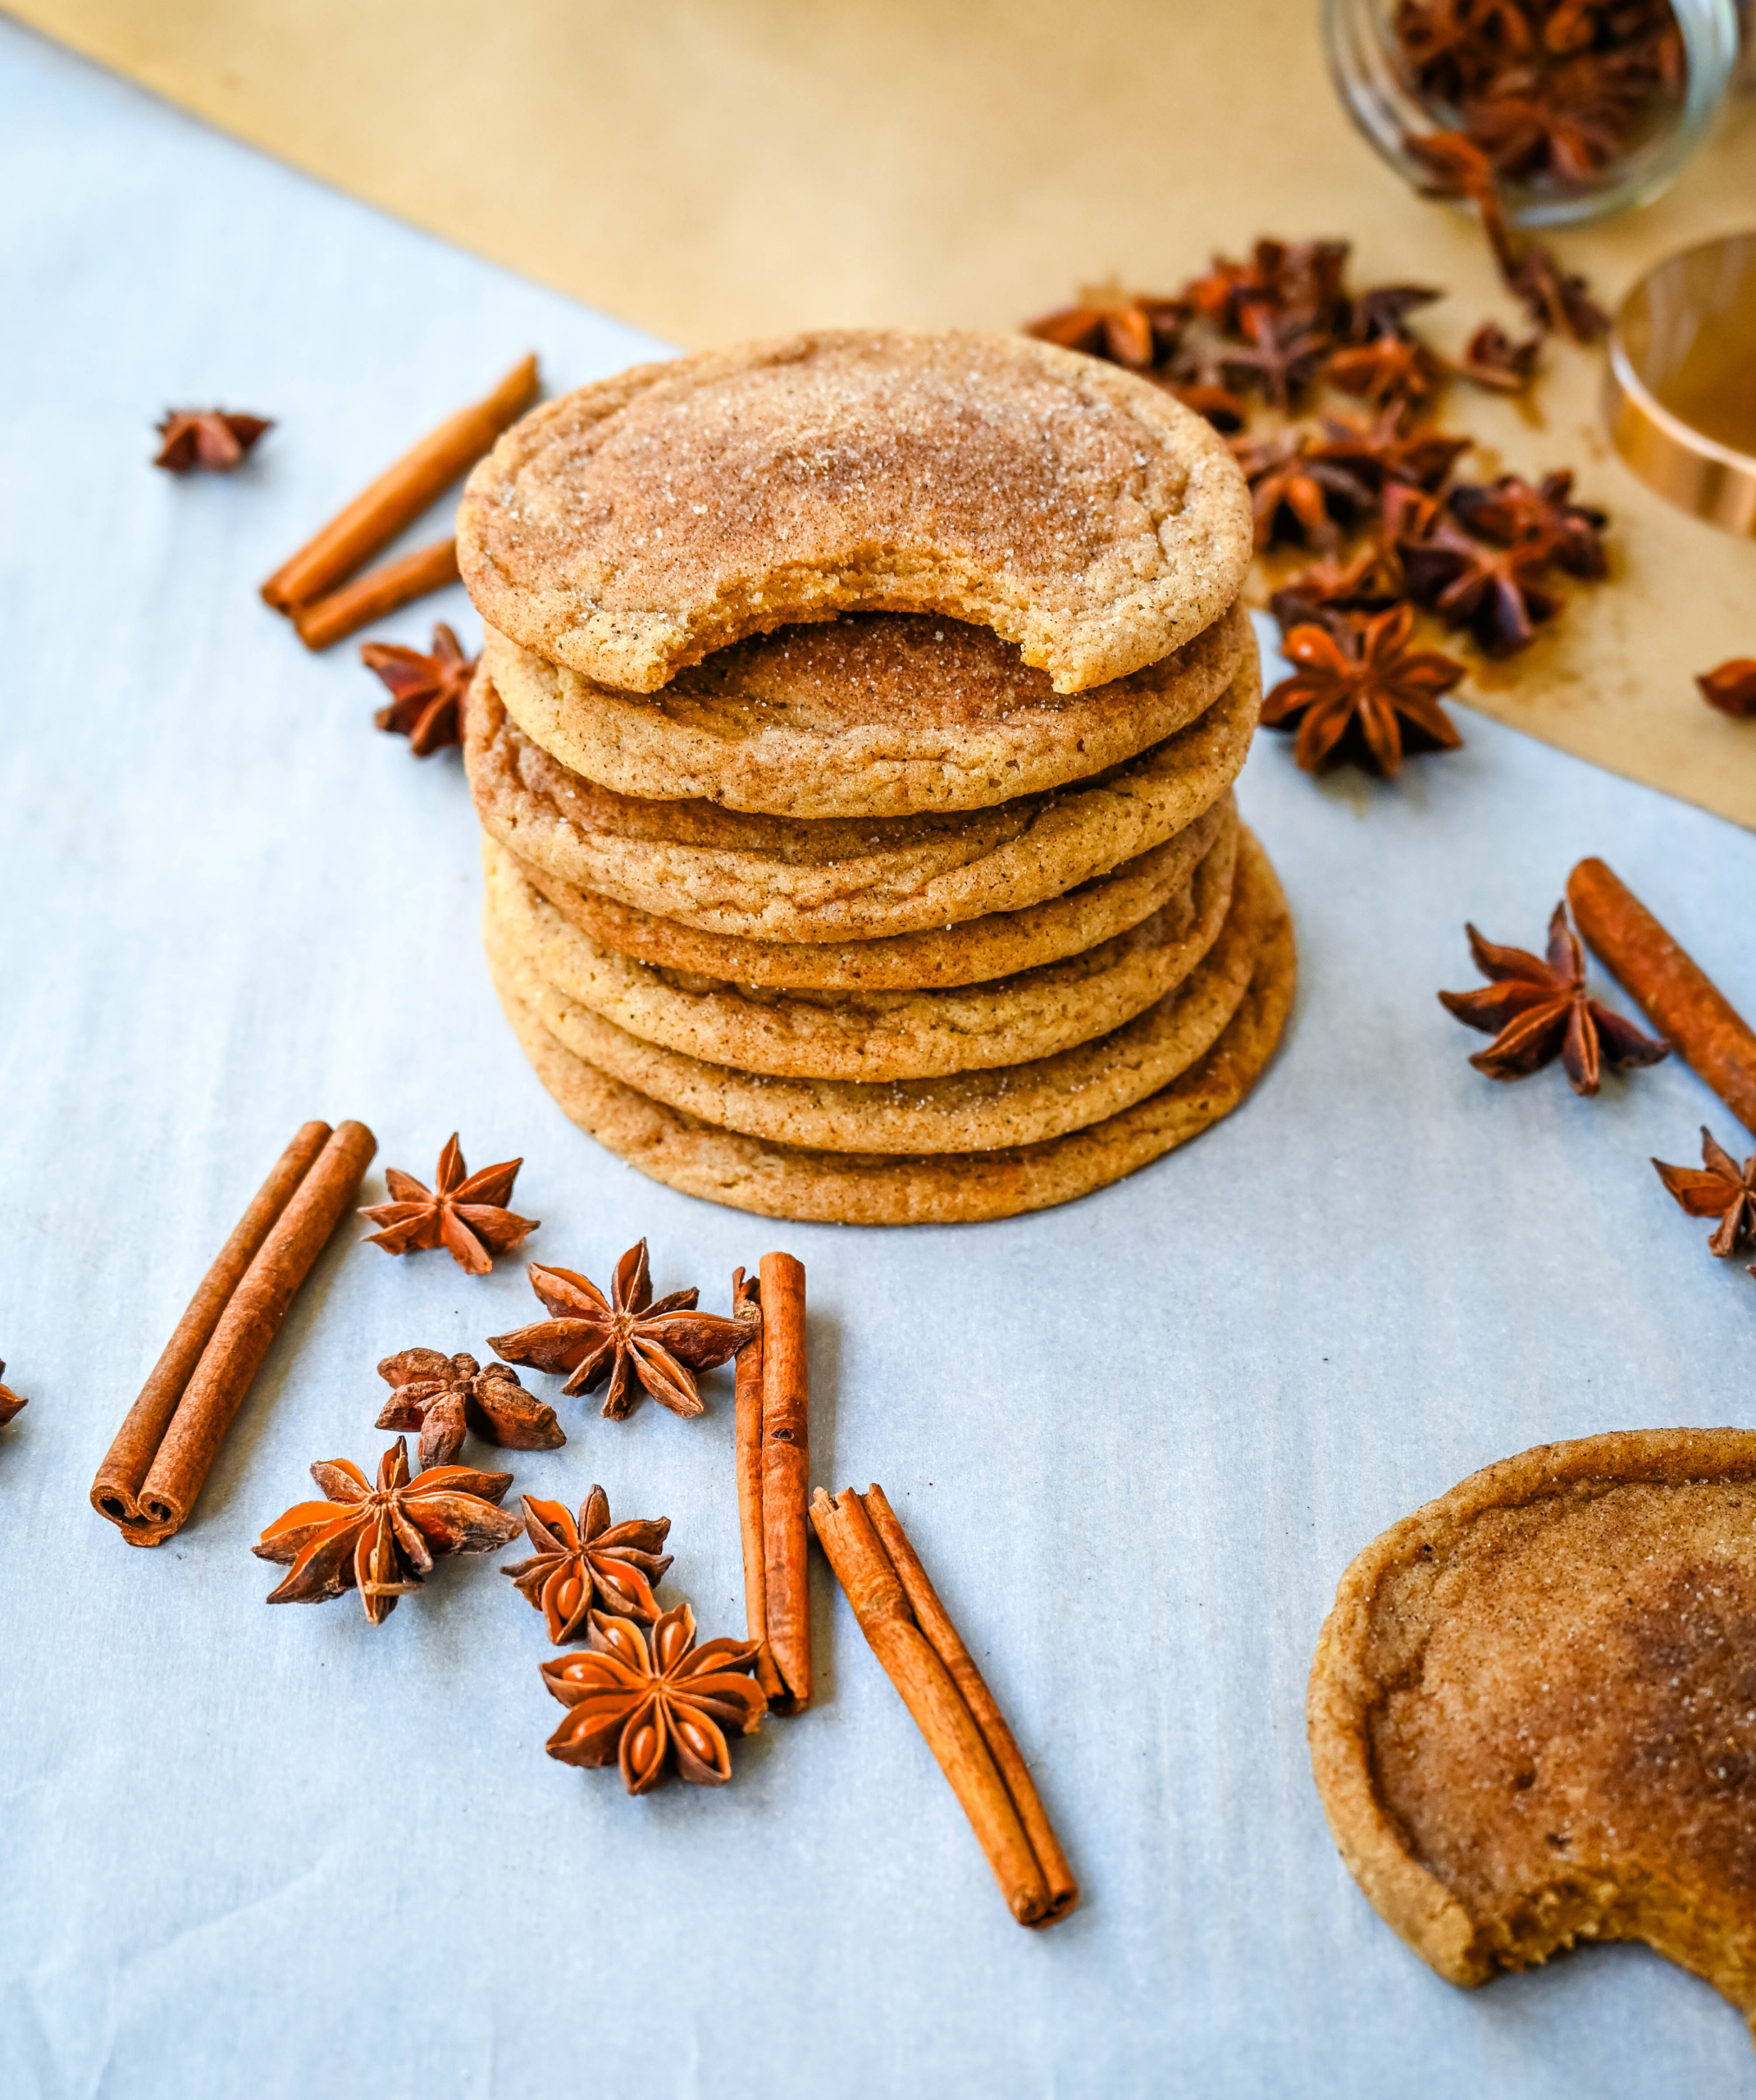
853	744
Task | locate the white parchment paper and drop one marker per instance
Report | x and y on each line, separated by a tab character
1135	1440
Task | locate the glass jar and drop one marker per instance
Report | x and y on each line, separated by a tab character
1371	68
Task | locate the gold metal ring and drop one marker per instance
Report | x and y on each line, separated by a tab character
1679	395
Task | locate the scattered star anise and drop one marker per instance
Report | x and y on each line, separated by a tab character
209	438
466	1212
9	1401
1398	369
1382	452
637	1345
1719	1188
1499	593
1371	582
382	1540
1281	357
646	1707
1491	358
427	692
1293	487
1367	687
1556	299
443	1395
1731	687
1138	331
1512	514
1536	1010
592	1565
1383	310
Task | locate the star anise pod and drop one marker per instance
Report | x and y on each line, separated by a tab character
1225	410
1384	310
382	1540
645	1707
1535	1010
1293	487
1491	358
1137	330
9	1401
1512	514
1365	686
1556	299
443	1395
1396	368
466	1212
1731	687
1719	1188
1382	452
427	692
1452	47
590	1566
1565	124
1499	593
209	438
638	1344
1371	582
1281	357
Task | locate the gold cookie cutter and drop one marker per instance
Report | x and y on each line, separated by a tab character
1679	395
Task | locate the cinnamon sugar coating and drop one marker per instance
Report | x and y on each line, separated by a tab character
835	878
869	1035
993	946
627	529
863	1188
1533	1709
865	715
1025	1103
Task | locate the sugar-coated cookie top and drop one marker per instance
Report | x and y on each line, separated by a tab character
628	529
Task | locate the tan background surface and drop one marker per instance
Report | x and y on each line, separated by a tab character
714	168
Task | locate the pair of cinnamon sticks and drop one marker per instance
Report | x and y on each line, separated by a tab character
305	588
163	1451
899	1611
1669	988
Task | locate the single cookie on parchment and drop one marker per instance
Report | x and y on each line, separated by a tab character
630	528
1533	1709
866	715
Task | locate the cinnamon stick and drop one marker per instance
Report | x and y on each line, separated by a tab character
935	1621
401	493
162	1453
381	590
1676	994
746	1304
908	1629
786	1467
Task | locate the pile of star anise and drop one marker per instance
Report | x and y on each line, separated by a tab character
1263	349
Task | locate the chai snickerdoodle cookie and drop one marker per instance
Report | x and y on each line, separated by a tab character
868	1036
831	879
1016	1105
841	1188
631	527
868	714
995	946
1533	1709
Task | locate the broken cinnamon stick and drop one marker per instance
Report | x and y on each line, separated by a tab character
786	1467
379	591
1669	988
162	1453
747	1305
401	493
908	1631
